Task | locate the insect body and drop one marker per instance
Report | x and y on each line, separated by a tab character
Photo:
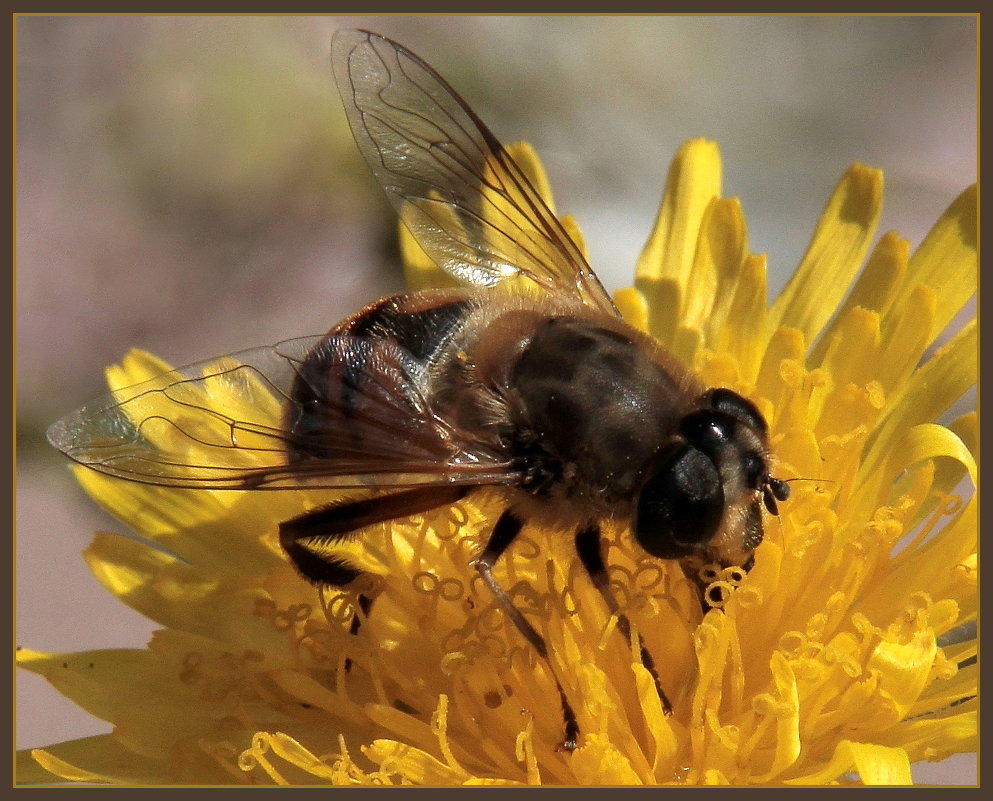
543	391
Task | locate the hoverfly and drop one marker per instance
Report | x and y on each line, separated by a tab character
542	391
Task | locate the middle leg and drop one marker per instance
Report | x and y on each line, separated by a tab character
590	550
504	533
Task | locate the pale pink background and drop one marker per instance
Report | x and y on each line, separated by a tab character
186	185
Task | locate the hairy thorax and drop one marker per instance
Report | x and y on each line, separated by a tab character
577	403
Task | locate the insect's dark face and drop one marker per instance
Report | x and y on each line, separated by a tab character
702	493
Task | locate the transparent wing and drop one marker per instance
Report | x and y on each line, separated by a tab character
315	412
466	201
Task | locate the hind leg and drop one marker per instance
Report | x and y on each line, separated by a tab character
305	536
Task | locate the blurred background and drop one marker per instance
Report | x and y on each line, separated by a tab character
188	185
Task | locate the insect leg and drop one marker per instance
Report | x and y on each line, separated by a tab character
365	604
331	524
590	550
504	533
327	525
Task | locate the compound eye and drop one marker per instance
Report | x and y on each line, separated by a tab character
680	505
741	409
706	430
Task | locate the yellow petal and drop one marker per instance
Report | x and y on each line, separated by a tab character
938	737
782	378
875	289
721	249
966	428
107	761
834	255
875	764
784	706
948	560
68	771
419	271
135	690
292	752
950	473
663	297
928	392
906	337
633	307
413	764
919	443
600	762
666	261
694	180
571	227
883	276
947	261
745	333
192	598
533	170
153	512
851	359
104	683
904	668
665	739
136	367
878	765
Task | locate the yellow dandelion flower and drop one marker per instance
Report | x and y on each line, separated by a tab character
837	658
829	662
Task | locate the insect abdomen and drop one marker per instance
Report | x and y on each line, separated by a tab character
369	371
